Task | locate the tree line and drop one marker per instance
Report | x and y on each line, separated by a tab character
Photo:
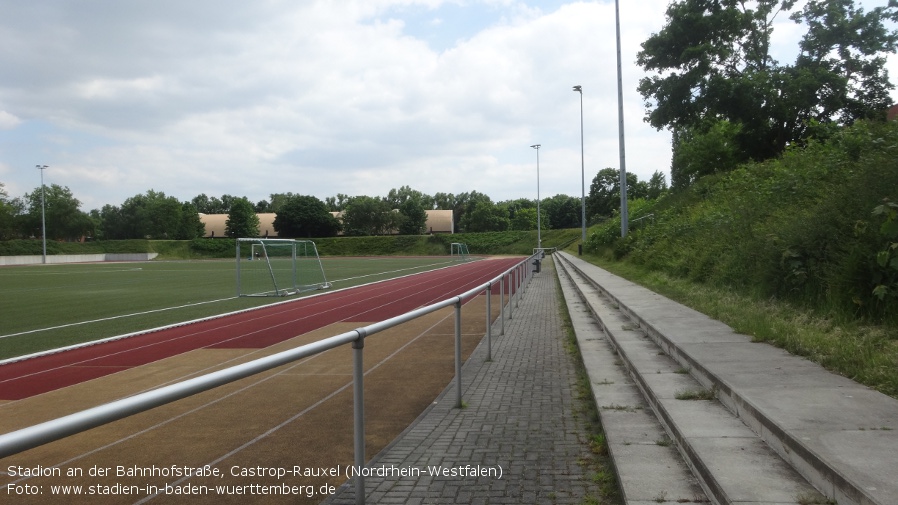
155	215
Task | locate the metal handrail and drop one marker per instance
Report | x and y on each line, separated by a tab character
33	436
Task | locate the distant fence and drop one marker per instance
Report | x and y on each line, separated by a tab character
75	258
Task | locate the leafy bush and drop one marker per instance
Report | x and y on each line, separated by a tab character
799	227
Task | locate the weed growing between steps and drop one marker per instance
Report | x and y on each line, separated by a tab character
599	463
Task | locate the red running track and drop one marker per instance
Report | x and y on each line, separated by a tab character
254	329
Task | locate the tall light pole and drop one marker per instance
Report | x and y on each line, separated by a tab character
43	218
539	227
620	128
579	89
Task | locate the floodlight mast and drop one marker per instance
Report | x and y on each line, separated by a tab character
624	218
43	213
579	89
539	228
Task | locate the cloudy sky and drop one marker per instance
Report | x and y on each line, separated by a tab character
321	97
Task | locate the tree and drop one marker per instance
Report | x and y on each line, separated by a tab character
152	215
563	211
396	197
413	217
365	215
468	202
698	152
64	220
657	186
7	229
191	226
304	216
523	220
336	203
483	215
712	63
242	219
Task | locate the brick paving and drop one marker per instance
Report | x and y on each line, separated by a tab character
519	420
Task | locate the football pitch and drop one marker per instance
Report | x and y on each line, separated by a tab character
50	306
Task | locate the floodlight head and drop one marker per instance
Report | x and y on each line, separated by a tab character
535	146
578	89
41	167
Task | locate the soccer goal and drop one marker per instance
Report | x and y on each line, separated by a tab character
278	267
459	251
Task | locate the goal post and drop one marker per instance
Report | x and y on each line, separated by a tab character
278	267
459	251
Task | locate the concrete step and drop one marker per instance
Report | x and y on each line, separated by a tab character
732	464
840	436
649	469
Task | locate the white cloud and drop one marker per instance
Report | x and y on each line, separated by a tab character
319	97
8	121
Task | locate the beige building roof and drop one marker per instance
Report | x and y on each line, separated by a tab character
215	224
438	221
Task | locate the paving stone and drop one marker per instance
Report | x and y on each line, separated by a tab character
519	417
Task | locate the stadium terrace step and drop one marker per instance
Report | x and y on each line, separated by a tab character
787	422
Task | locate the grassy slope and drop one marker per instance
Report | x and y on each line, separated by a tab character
785	251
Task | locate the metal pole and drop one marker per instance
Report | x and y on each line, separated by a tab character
511	294
43	214
579	89
502	305
458	403
539	227
489	325
358	396
624	218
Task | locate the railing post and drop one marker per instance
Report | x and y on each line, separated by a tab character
489	326
502	305
458	403
511	293
358	396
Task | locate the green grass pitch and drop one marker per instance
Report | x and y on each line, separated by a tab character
50	306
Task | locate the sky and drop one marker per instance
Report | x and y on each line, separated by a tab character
320	97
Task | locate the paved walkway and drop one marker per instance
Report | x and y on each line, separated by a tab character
519	429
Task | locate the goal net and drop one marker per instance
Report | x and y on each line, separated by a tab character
278	267
459	251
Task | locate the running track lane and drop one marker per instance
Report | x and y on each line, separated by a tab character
254	329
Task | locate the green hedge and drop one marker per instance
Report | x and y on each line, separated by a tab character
34	247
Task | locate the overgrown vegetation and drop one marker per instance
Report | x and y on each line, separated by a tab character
816	227
800	251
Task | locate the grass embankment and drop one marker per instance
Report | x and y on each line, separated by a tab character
801	252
